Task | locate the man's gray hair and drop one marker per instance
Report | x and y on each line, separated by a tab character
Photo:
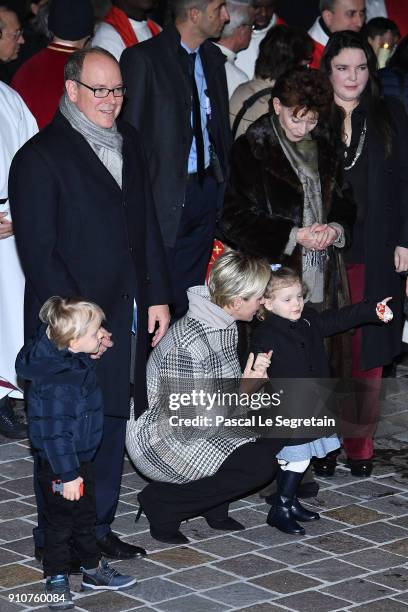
240	13
180	8
327	5
75	63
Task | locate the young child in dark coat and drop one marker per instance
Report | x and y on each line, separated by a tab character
295	333
65	419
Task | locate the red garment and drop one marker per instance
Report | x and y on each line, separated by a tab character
40	81
362	448
397	10
120	21
317	55
217	250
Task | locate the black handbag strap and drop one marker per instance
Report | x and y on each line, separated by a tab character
246	105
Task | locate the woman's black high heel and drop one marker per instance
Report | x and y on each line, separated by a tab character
163	536
138	514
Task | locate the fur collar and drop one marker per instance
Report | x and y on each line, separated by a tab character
266	148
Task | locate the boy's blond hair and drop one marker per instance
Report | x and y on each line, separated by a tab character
280	279
68	318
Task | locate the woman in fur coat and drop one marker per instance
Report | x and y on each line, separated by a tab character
283	200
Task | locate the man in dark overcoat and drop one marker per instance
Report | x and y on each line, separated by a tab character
177	97
85	225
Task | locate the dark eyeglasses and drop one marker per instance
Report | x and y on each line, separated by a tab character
103	92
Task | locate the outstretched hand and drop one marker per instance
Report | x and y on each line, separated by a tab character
384	312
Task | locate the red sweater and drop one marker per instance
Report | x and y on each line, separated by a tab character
40	81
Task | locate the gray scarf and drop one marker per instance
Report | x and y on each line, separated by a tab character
106	142
302	156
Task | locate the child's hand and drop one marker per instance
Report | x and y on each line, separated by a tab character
384	312
71	490
257	368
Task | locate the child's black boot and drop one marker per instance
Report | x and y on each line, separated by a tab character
280	516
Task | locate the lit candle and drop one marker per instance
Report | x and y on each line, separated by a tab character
383	55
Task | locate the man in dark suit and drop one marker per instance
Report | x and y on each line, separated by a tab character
177	97
85	225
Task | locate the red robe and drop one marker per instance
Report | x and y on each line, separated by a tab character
119	20
40	81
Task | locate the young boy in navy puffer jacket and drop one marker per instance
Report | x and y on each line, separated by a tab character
65	419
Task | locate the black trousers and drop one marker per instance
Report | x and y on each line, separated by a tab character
247	469
107	468
68	521
188	259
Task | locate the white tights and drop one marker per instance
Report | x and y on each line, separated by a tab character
294	466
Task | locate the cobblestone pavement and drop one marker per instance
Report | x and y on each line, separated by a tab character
355	557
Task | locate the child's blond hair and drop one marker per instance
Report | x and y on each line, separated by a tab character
280	279
68	318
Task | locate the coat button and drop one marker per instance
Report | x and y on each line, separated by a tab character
292	326
302	345
130	249
124	203
125	296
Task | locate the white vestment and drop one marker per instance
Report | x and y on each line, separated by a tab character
247	57
108	38
17	125
235	76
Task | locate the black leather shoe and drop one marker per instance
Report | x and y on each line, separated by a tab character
325	466
174	537
75	567
360	467
113	548
10	426
225	524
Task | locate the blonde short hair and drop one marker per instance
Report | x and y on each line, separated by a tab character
68	318
237	275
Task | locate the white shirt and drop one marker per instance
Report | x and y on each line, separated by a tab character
235	76
318	34
17	125
247	57
108	38
376	8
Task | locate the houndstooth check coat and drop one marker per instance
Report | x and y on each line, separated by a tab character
198	352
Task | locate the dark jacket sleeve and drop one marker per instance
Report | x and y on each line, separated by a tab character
50	423
34	196
247	223
136	74
400	141
158	283
335	321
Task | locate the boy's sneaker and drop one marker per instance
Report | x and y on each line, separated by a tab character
58	593
106	578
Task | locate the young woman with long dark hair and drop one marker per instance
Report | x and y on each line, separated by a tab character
375	135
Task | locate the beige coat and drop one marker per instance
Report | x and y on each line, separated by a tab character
259	108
